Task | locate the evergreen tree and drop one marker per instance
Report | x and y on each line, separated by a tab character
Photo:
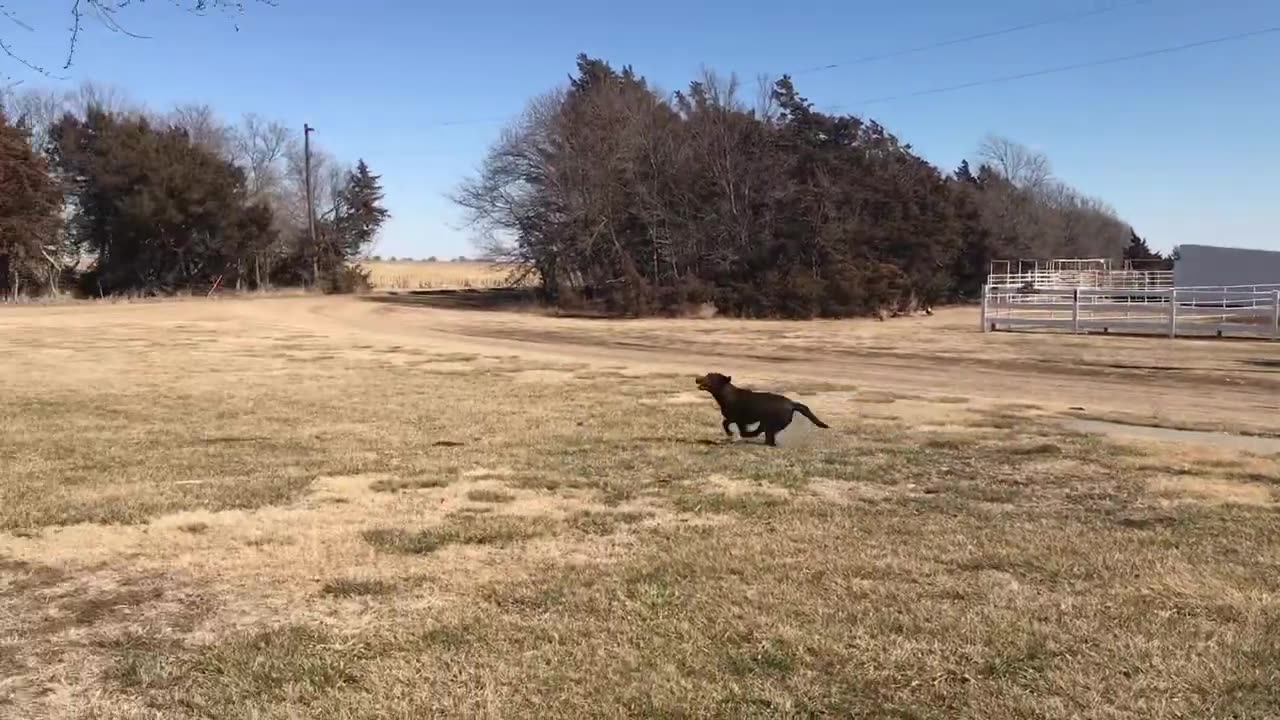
362	211
30	220
1138	248
344	236
159	212
1139	252
643	202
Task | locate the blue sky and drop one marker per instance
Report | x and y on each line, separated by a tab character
1185	146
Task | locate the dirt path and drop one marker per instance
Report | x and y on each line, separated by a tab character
1186	383
1200	384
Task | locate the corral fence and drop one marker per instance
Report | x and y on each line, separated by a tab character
1099	299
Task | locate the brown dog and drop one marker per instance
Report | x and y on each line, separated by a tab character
743	407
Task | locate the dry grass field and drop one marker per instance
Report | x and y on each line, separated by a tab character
337	508
422	275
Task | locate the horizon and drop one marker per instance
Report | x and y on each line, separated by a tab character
1142	162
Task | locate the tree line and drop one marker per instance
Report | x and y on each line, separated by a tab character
99	197
613	193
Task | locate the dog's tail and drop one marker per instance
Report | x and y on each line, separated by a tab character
805	411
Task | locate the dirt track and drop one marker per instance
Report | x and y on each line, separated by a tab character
1192	383
1185	382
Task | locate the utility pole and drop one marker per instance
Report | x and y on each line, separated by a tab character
311	211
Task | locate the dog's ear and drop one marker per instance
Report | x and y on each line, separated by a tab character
728	378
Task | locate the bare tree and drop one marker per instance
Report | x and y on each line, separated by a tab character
1023	166
335	181
294	208
204	128
38	109
1059	195
108	98
296	180
766	107
259	147
500	200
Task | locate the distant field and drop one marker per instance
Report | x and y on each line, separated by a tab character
422	275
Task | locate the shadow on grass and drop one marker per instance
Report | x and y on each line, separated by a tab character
701	442
487	300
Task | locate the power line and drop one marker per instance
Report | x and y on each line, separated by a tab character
1065	68
972	38
888	54
1058	19
472	121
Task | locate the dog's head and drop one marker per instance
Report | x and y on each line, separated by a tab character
712	382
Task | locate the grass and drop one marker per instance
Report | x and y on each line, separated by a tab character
463	530
399	484
354	587
203	520
1033	449
594	522
485	495
244	676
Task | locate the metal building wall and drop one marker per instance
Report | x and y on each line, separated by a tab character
1201	265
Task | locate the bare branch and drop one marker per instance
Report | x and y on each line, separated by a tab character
108	98
204	128
12	17
13	55
259	146
106	12
38	109
766	107
1023	166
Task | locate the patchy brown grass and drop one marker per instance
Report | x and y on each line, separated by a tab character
486	495
220	511
398	484
595	522
356	587
465	530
